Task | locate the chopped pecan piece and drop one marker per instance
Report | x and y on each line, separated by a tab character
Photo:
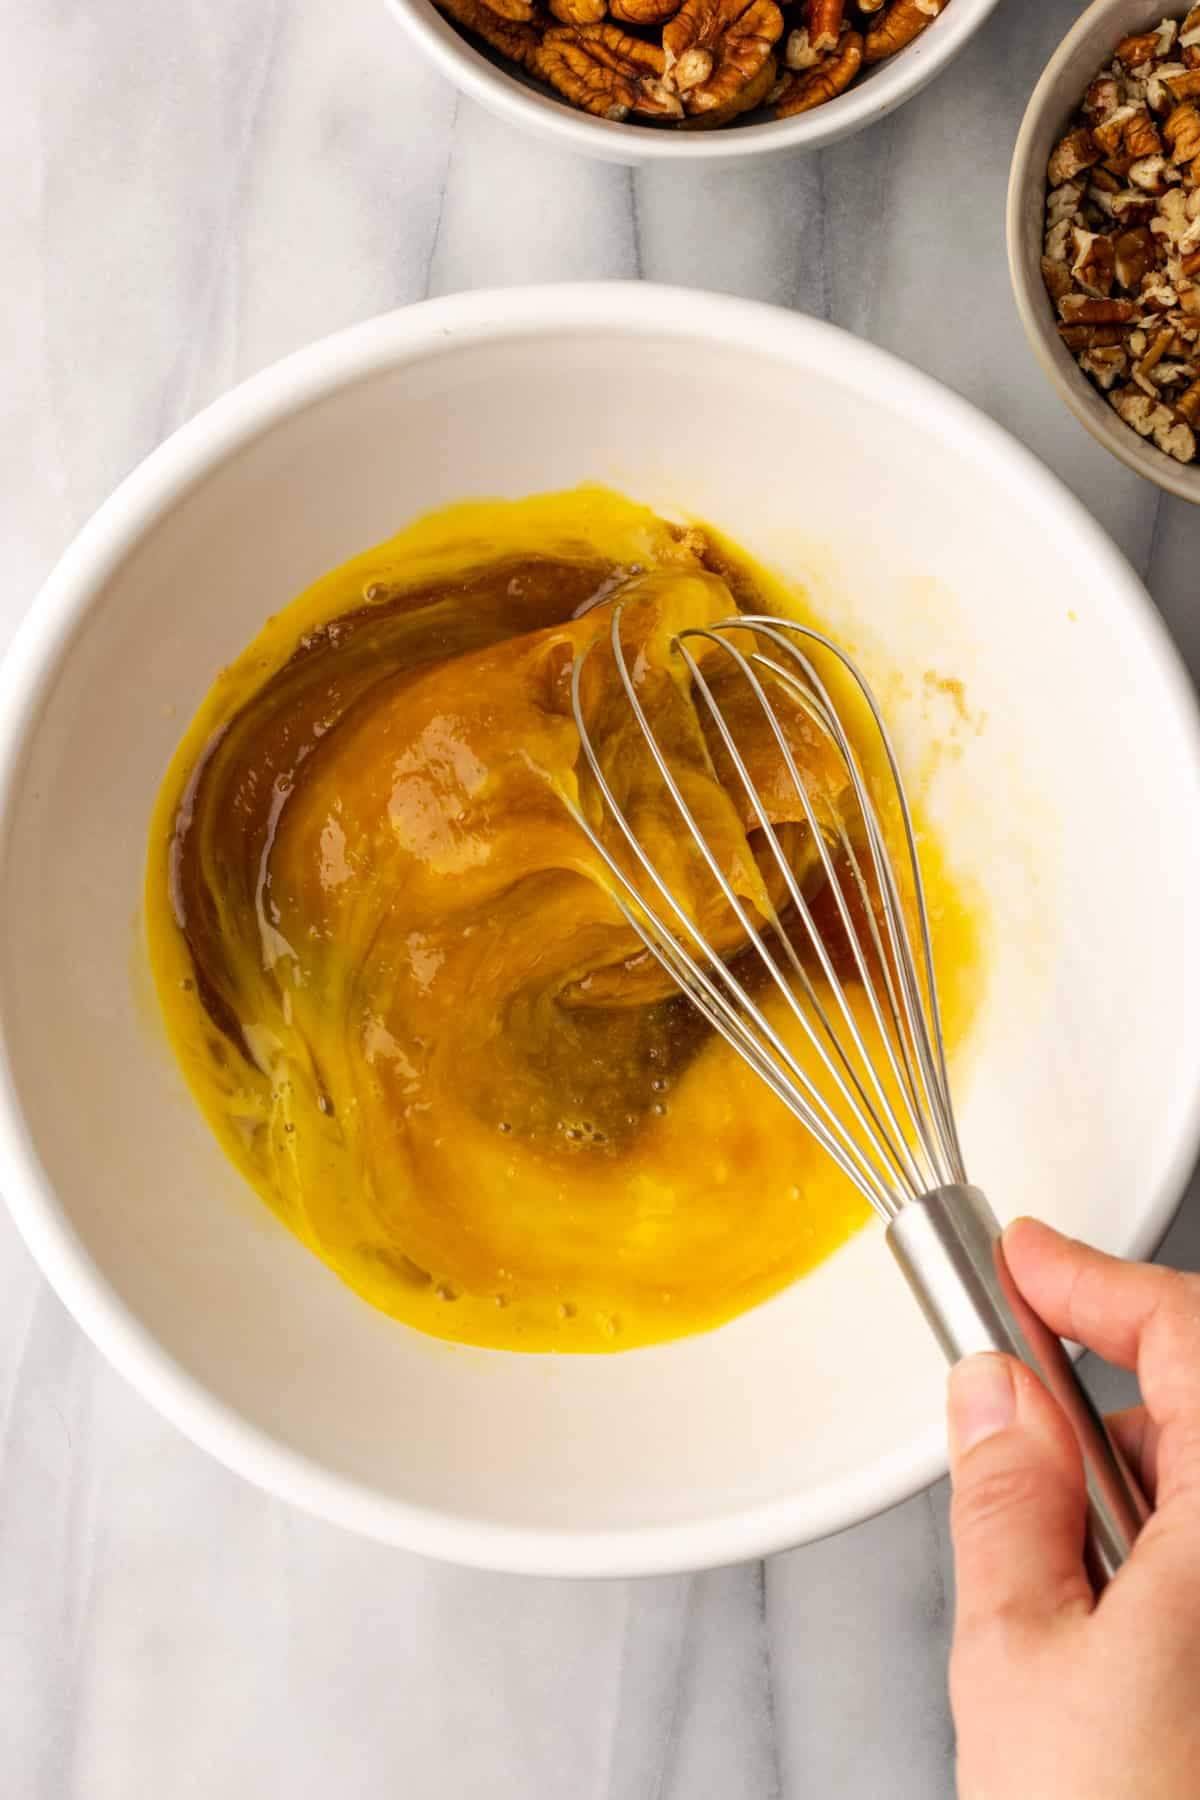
1105	366
1132	207
1170	219
1080	309
1185	86
1109	134
903	21
1094	263
1158	294
1071	155
1182	132
1189	39
1057	277
514	38
1100	181
1092	337
1133	51
1149	362
1150	418
1189	404
605	71
740	34
830	77
1149	173
1102	98
1133	256
1063	202
1140	136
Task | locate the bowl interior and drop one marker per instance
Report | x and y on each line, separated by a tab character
1087	48
1068	789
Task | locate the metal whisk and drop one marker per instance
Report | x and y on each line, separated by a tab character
883	1109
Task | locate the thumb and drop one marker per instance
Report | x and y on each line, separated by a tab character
1019	1505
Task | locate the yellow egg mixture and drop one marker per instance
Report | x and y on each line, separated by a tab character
392	968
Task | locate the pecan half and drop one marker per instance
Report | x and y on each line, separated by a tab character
740	34
606	72
519	10
825	24
901	23
514	38
832	76
579	12
643	12
753	94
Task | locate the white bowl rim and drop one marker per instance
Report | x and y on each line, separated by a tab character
1032	302
29	668
892	83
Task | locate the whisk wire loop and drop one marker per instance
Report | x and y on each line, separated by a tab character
906	1046
731	1013
888	1129
932	1041
891	1131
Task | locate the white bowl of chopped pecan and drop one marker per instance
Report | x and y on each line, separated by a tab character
1104	233
637	81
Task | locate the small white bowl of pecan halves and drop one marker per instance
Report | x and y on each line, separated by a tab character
1104	232
638	81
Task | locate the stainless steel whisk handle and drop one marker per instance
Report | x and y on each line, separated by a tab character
948	1246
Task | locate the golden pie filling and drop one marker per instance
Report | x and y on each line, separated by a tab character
391	962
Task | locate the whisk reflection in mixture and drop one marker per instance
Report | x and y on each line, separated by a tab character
878	1100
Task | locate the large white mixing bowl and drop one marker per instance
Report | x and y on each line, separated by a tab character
1070	790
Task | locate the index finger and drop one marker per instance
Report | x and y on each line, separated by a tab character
1132	1314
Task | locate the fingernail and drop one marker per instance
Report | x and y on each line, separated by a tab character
982	1400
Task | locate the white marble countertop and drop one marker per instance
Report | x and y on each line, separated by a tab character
188	191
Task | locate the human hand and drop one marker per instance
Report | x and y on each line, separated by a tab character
1058	1696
